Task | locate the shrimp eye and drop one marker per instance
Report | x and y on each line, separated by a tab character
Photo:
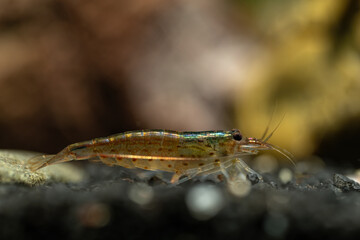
236	135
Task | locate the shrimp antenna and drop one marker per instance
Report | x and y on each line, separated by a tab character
268	126
283	152
277	126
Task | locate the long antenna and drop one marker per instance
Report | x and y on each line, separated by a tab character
268	126
277	126
283	152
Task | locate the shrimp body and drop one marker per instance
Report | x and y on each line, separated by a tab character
183	153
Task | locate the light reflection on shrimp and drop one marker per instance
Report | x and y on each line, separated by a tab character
186	154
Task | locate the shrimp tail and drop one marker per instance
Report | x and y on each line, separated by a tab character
39	161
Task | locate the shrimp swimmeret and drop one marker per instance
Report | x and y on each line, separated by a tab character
186	154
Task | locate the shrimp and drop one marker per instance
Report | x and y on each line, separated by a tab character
185	154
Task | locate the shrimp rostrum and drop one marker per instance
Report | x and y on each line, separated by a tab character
185	154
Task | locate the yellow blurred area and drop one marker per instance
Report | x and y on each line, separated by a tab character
304	77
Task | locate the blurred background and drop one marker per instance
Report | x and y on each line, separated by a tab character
76	70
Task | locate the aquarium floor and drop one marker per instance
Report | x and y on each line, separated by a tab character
321	206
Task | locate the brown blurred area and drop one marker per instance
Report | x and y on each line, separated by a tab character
64	69
75	70
62	72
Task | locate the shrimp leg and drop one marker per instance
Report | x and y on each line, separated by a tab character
237	169
242	167
232	169
178	177
190	173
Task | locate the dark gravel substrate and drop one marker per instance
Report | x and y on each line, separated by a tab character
322	206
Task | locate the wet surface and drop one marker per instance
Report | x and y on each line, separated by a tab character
114	203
